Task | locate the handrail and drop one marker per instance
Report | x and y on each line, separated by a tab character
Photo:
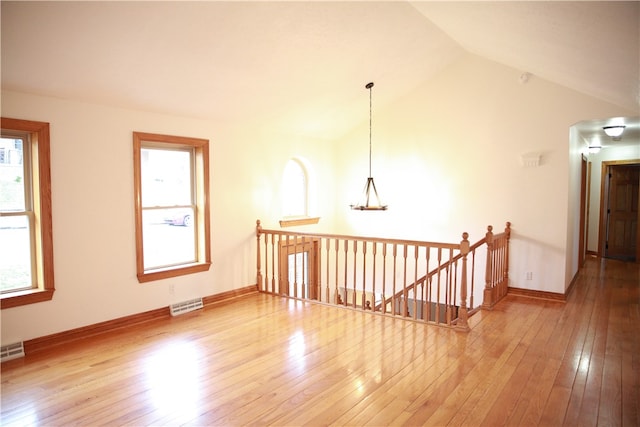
421	280
360	238
433	272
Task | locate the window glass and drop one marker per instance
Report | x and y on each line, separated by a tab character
16	252
294	189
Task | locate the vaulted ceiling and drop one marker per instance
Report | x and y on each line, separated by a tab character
305	64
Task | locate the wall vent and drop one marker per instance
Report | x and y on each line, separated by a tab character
11	351
186	306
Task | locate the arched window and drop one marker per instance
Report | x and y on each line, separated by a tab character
297	194
294	190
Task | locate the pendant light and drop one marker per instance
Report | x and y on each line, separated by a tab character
369	201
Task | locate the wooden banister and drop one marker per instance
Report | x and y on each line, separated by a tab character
431	282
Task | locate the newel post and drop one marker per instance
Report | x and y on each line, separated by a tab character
463	315
505	275
487	300
258	267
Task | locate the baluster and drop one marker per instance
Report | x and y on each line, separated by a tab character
487	302
373	278
426	311
393	296
452	287
336	292
258	267
266	261
327	242
285	253
405	302
295	266
304	287
279	265
273	269
462	323
355	252
364	273
473	281
438	304
415	280
384	278
346	264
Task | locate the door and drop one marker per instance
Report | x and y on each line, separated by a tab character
622	212
299	268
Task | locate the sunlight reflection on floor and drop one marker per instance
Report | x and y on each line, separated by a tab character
173	379
297	348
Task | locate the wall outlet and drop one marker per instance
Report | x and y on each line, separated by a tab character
529	275
172	289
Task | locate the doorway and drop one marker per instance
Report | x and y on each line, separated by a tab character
619	213
299	267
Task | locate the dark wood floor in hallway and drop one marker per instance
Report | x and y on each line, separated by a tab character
264	360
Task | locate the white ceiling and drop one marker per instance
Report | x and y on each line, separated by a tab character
305	64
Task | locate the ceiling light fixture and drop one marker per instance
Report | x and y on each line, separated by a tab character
594	149
613	131
369	200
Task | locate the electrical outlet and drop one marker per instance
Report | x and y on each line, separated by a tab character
172	289
529	275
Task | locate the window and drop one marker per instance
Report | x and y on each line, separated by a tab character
295	195
294	186
26	242
171	178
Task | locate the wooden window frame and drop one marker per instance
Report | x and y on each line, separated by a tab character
203	247
41	187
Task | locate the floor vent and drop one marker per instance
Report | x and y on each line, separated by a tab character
186	306
11	351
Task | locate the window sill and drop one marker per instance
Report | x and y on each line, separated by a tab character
173	272
291	222
32	296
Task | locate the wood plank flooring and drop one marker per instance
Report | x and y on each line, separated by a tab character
264	360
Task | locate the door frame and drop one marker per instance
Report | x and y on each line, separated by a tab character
295	245
604	202
584	202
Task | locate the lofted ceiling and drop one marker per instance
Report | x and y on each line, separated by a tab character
302	66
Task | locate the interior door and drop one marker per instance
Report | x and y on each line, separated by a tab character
299	268
622	212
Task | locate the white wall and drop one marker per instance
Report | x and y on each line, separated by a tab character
93	211
446	158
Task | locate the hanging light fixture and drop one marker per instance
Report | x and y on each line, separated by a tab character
369	201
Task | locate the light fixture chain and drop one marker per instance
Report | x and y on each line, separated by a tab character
370	85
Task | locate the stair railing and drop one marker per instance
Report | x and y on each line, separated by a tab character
424	281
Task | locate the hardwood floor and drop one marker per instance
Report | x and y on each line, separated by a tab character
263	360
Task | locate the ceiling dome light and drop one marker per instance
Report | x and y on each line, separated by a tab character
594	149
613	131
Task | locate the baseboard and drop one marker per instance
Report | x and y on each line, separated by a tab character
65	337
530	293
229	295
